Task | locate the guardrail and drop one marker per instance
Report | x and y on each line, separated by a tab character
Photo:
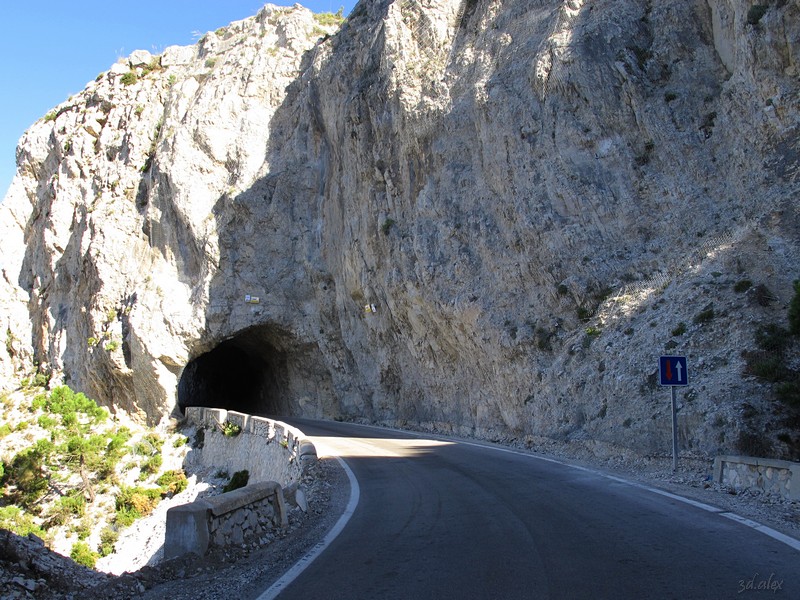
275	456
770	475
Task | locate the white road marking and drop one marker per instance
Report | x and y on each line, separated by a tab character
355	493
768	531
309	557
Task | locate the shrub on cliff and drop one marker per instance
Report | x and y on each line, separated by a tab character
172	482
83	555
25	478
16	520
239	480
135	502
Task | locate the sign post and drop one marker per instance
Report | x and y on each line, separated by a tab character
673	371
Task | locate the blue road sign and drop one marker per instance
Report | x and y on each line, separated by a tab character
673	370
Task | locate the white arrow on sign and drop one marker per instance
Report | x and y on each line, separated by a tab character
679	368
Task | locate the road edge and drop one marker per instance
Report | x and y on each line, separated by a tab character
294	572
779	536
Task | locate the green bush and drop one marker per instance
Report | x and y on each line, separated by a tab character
74	503
41	379
26	474
135	502
129	78
742	286
83	529
118	440
82	554
231	429
151	466
108	538
788	392
329	19
153	66
80	451
124	517
387	226
149	445
705	315
239	480
763	295
47	422
63	401
753	444
772	338
65	508
679	330
766	366
39	402
172	482
14	519
115	450
142	500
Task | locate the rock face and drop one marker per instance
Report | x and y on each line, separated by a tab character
474	216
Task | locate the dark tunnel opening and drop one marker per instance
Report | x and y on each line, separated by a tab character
245	373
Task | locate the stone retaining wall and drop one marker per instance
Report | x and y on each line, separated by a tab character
231	518
246	513
273	453
773	476
269	450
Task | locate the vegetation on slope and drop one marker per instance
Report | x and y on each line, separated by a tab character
72	475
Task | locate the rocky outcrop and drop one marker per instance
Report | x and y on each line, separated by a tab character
481	217
30	570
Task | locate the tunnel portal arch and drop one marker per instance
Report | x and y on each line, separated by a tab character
260	370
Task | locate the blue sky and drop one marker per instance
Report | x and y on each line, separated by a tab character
51	49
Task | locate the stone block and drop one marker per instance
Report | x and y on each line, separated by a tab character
260	426
187	530
140	58
214	417
178	55
225	503
194	415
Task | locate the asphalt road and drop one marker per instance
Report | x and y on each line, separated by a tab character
440	520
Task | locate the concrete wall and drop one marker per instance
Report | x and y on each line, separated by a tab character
273	453
774	476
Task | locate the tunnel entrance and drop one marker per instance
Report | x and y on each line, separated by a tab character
246	373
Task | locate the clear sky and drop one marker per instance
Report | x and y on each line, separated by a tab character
51	49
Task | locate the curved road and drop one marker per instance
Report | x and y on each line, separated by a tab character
439	519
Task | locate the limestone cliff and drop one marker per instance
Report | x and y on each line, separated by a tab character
476	216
